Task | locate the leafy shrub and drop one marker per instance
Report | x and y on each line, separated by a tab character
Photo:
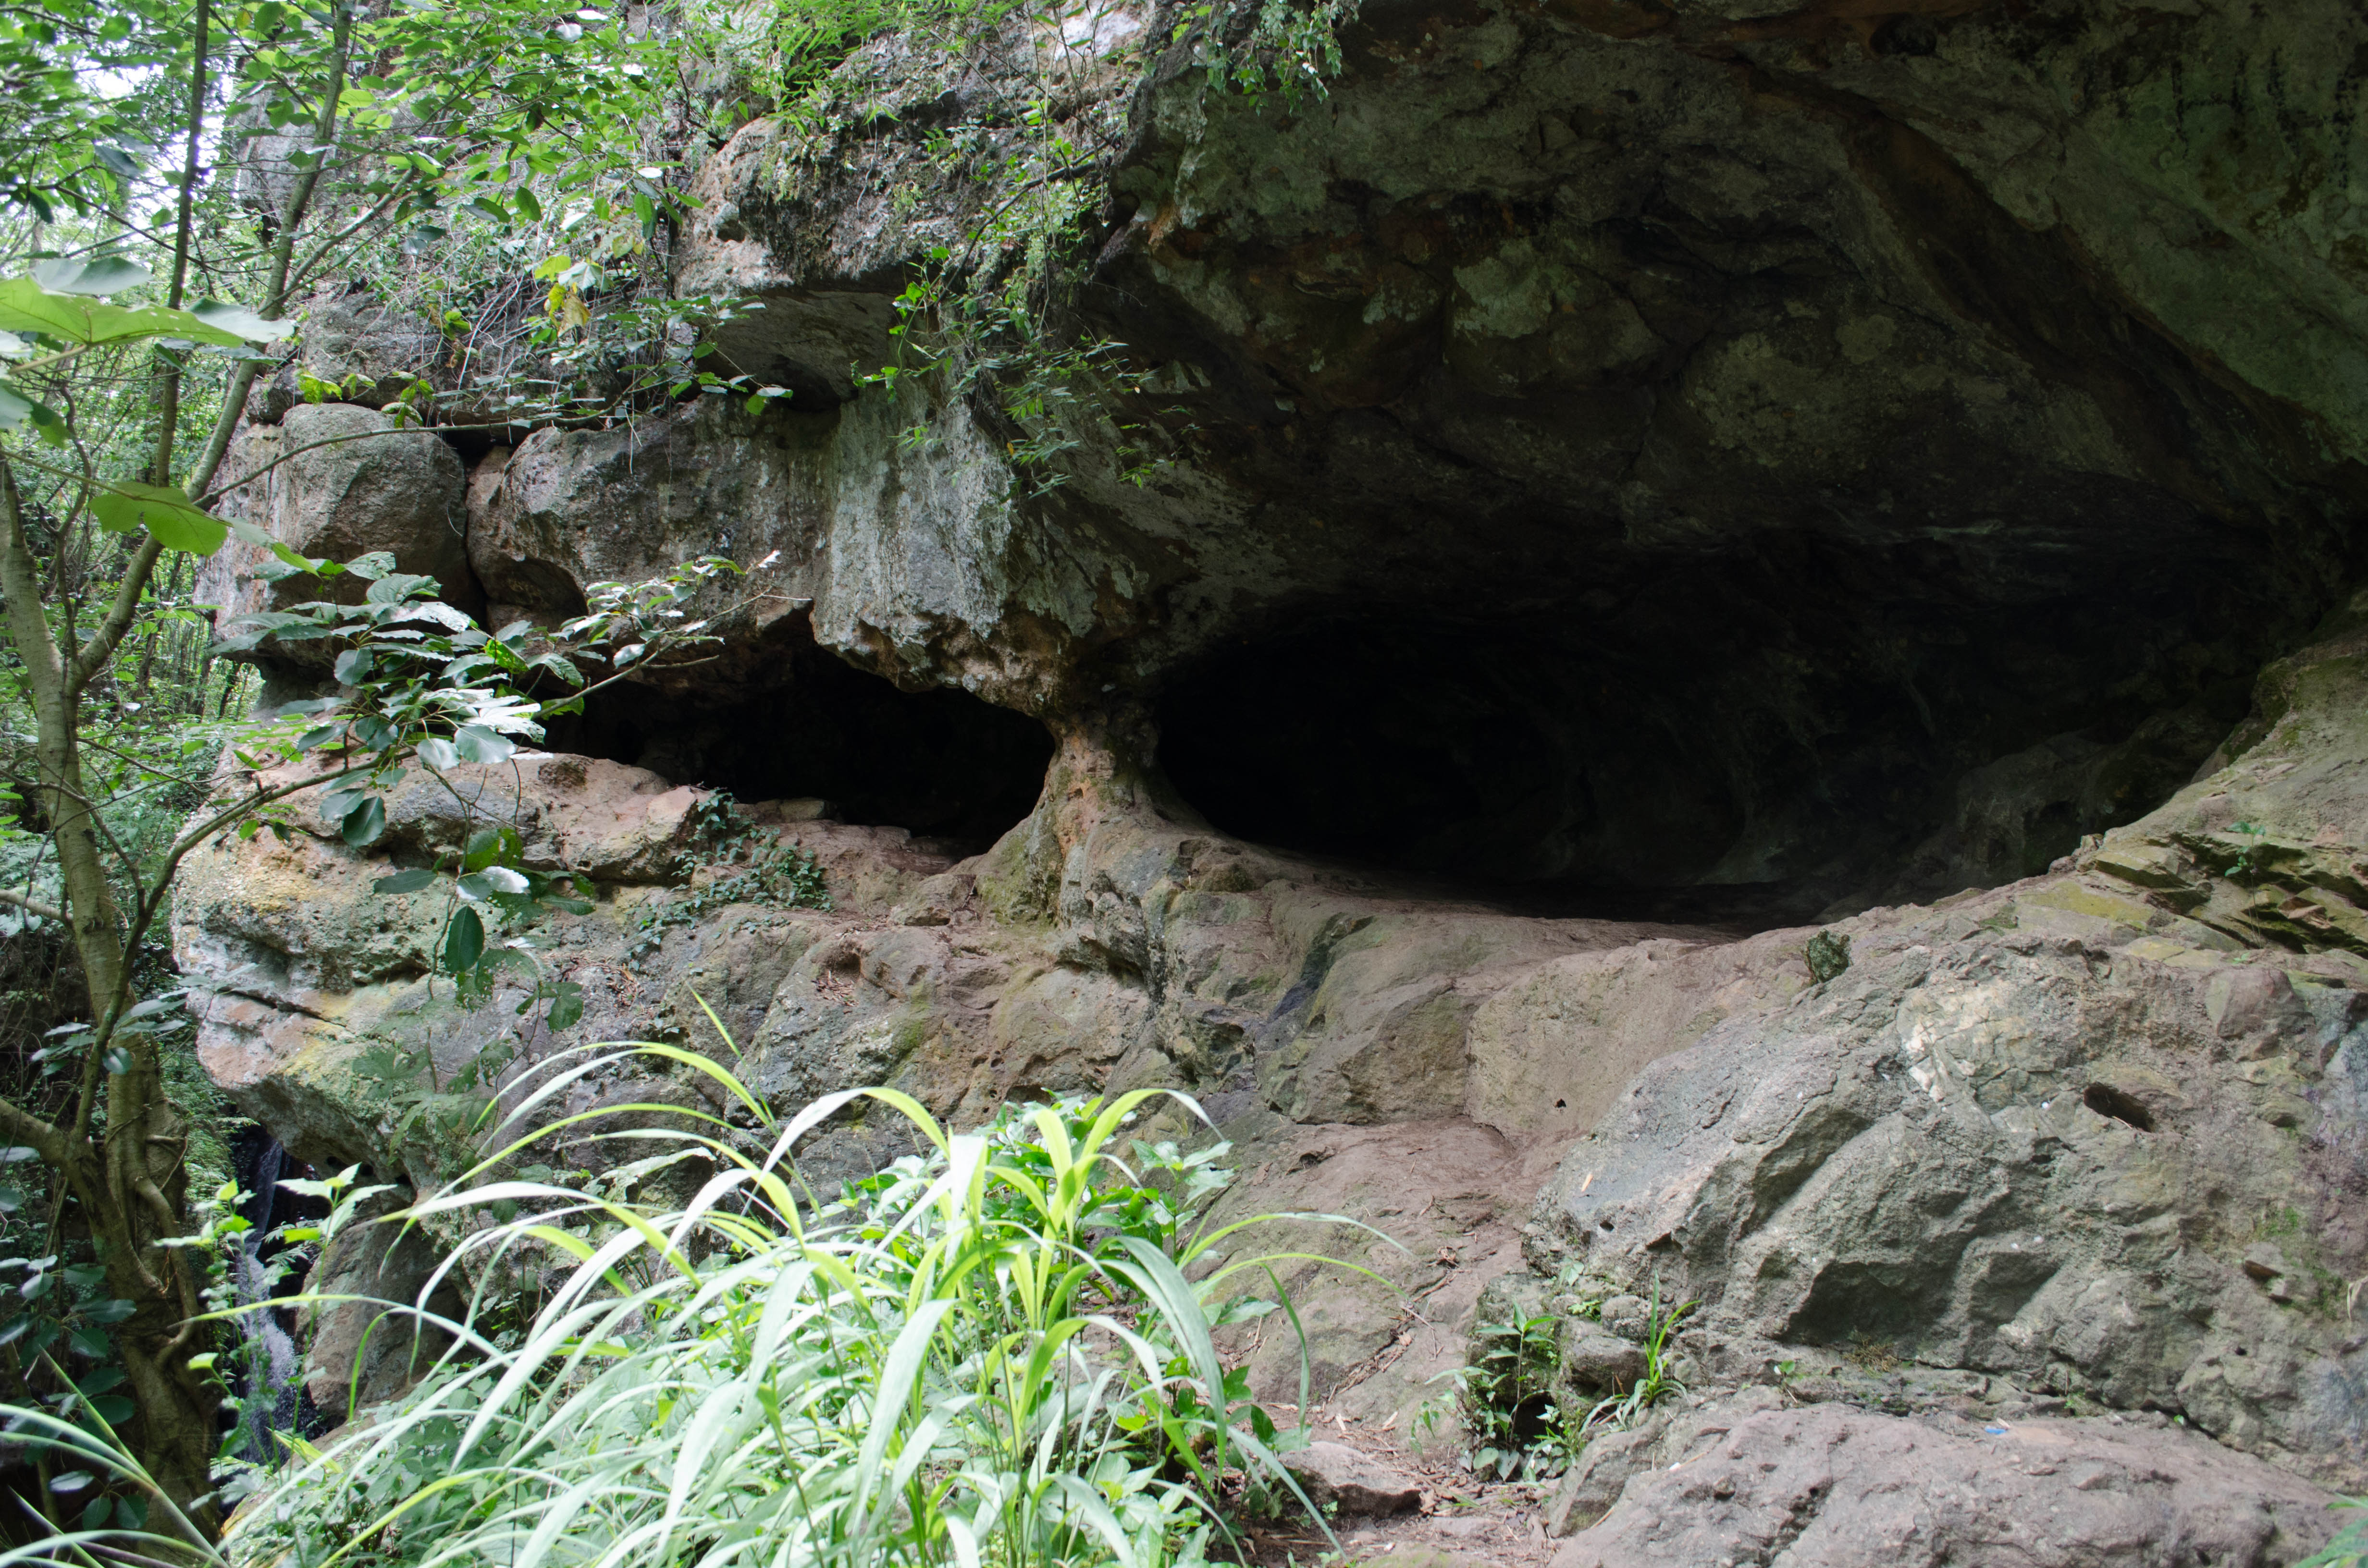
1506	1392
989	1352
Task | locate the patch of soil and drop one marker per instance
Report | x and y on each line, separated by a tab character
1463	1520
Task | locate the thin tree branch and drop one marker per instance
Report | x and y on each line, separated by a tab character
30	1130
32	906
160	469
105	637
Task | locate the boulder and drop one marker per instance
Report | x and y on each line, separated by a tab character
1595	1360
1664	1434
369	355
365	1352
1852	1489
1336	1475
336	480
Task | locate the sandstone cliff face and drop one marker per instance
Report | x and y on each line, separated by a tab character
1612	486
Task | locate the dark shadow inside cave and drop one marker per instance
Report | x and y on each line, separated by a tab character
1742	743
944	764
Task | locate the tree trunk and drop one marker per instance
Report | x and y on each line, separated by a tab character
125	1167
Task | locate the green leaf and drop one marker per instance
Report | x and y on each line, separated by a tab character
118	1061
404	881
464	942
371	567
239	320
92	1342
364	824
106	275
72	1481
263	540
16	408
393	588
479	744
438	753
527	205
111	1311
492	847
354	666
26	306
111	1408
167	513
566	1006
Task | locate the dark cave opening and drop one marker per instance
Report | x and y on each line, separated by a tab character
1454	752
1719	744
944	764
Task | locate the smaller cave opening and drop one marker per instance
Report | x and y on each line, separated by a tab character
943	764
2111	1102
265	1363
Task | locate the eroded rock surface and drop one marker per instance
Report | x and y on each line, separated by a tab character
1903	459
2060	1130
372	1347
1614	492
1337	1475
1851	1489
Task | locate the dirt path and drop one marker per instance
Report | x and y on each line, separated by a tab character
1463	1520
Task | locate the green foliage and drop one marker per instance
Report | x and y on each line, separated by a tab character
2250	863
730	859
61	1320
1827	955
988	1353
1287	50
2349	1547
1506	1392
234	1271
1660	1380
64	148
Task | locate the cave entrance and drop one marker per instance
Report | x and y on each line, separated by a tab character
1724	750
944	764
1487	759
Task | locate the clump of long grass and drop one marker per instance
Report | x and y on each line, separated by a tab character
994	1352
